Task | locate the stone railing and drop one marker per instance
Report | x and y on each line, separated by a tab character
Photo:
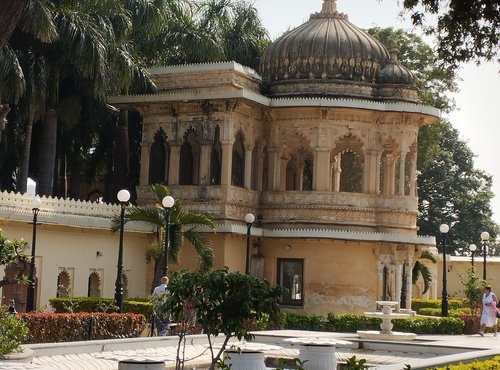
67	212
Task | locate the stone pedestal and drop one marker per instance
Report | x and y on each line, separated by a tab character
245	360
141	365
318	357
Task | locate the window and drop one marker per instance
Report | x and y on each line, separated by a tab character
291	279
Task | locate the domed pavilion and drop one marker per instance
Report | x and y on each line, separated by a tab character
320	145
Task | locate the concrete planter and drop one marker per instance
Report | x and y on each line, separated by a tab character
318	357
25	356
141	365
245	360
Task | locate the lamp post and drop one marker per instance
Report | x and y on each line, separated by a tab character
123	197
30	301
443	229
249	219
168	203
473	249
485	236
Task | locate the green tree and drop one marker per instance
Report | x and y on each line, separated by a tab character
467	30
225	304
183	225
420	269
450	188
11	251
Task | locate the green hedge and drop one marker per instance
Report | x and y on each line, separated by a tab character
453	304
350	323
49	327
302	321
427	311
93	304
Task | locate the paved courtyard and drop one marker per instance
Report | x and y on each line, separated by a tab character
100	355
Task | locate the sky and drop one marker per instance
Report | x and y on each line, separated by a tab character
477	116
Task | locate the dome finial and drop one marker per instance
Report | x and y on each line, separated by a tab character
329	7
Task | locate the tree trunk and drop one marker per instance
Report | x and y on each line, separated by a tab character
25	158
10	13
47	153
121	154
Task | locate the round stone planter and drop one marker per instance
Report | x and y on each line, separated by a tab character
245	360
318	357
25	356
141	365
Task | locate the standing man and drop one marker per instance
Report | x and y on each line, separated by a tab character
162	320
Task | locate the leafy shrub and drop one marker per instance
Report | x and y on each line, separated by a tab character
442	325
94	304
492	364
13	332
302	321
48	327
453	304
350	323
427	311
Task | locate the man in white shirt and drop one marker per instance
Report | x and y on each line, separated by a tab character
161	319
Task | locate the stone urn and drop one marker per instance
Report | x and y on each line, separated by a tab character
245	360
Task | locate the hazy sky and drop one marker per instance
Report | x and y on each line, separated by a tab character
478	102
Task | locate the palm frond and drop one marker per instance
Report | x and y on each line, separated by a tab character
38	21
12	79
202	247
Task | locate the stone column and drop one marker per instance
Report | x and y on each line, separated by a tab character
402	173
260	170
248	168
321	176
399	283
409	284
372	173
145	157
227	163
389	175
380	280
413	176
274	170
175	154
205	164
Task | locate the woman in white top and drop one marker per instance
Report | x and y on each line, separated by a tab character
489	311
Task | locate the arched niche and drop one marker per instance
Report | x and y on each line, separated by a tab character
189	168
159	159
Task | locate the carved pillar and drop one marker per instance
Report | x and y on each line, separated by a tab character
402	161
227	163
274	170
372	173
409	284
389	175
282	183
321	175
336	171
380	280
413	176
145	156
205	164
248	168
399	282
260	171
173	174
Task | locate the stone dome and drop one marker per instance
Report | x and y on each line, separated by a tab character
395	73
329	56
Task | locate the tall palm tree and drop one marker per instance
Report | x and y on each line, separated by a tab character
183	225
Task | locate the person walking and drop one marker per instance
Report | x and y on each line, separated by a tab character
162	320
489	311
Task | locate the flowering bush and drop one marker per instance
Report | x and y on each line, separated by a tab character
13	332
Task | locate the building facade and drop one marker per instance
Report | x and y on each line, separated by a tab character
320	145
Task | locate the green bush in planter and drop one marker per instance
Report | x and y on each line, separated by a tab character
13	332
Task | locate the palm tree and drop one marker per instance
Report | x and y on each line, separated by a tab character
183	225
420	269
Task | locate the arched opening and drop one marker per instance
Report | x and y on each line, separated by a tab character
63	284
238	162
216	159
189	168
351	176
159	159
94	285
299	172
